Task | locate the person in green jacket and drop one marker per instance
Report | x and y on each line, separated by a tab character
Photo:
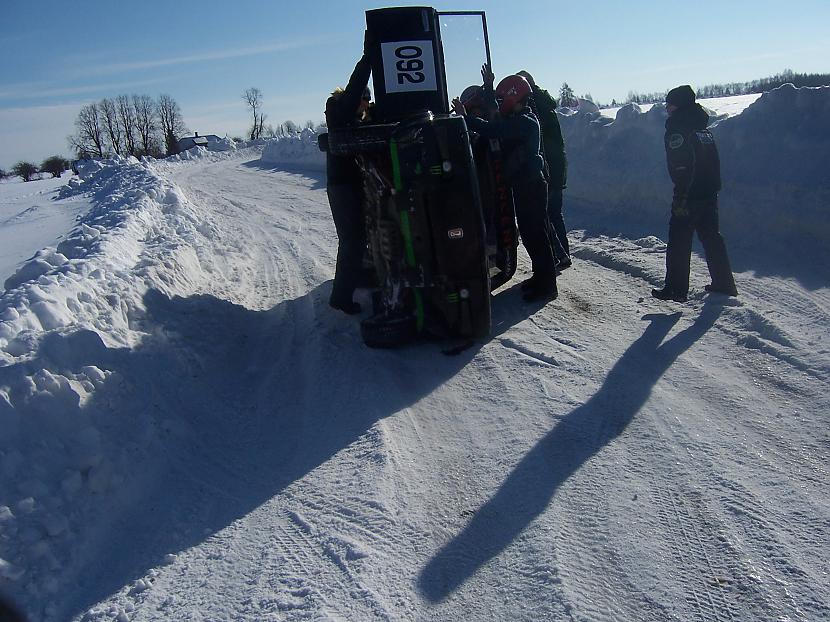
553	146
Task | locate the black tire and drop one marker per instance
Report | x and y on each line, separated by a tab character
383	331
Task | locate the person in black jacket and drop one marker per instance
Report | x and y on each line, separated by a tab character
553	150
518	130
694	166
344	187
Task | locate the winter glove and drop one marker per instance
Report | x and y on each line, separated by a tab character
487	76
679	209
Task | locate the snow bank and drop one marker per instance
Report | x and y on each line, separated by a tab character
66	315
774	155
298	150
223	144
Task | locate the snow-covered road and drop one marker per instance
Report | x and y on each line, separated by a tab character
604	457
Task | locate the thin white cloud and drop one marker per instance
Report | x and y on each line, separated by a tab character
203	57
35	90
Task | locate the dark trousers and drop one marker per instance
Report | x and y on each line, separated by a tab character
557	223
346	202
700	216
537	235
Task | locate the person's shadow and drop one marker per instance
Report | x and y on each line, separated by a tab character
582	433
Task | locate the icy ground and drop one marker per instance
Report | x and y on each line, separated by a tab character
190	433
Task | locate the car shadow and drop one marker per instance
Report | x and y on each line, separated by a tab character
218	410
528	489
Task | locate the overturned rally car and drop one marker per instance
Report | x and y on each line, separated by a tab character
440	221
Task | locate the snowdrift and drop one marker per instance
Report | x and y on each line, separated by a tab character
63	463
296	151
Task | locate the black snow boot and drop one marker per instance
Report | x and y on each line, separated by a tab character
668	294
529	283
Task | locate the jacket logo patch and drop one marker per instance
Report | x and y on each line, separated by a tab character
455	234
676	141
705	137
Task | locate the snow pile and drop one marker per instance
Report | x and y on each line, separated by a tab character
775	166
298	150
64	318
775	181
223	144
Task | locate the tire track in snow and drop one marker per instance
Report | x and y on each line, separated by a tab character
703	564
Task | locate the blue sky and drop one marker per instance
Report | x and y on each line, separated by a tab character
60	56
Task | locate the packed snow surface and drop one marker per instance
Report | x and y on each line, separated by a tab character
189	432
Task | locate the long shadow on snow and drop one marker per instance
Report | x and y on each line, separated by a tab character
223	408
319	177
578	436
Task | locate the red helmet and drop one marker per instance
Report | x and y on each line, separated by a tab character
510	91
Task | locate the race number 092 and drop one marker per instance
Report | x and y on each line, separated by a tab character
409	65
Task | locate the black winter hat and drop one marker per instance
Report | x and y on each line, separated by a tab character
681	96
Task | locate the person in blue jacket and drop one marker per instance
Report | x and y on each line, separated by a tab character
518	130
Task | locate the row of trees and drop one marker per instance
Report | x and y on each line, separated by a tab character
54	165
788	76
126	125
762	85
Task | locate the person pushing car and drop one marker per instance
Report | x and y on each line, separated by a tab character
518	130
344	186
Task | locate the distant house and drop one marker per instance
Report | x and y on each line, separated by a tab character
188	142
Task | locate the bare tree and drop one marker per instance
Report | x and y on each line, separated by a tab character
145	122
172	123
126	118
89	138
109	119
253	98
